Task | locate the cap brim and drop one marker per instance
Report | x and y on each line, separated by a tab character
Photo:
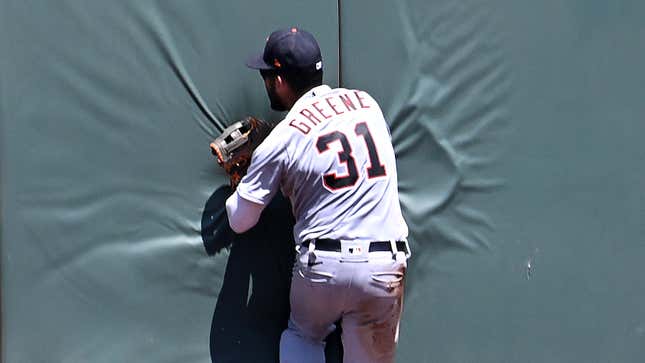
257	62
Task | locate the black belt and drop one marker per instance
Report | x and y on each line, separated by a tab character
333	245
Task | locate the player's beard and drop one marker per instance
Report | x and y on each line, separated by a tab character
276	102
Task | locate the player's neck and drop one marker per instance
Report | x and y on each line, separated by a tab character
298	95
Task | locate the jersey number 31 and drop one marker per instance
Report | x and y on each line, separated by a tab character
333	181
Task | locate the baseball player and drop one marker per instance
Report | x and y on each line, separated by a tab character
332	157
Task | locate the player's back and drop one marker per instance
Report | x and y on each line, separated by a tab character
341	175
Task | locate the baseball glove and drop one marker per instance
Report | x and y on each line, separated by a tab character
235	146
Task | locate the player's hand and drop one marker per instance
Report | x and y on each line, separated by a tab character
234	147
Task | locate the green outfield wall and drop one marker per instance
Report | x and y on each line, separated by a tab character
517	126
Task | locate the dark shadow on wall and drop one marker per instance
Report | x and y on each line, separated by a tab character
252	308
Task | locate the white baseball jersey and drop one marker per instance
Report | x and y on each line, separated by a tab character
332	156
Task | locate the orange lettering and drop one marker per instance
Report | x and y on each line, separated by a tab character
304	130
319	110
308	114
360	100
332	106
347	102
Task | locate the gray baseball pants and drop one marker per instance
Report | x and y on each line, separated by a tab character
364	290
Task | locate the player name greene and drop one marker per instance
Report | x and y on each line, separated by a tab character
326	108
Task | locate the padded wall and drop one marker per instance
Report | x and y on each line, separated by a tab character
106	168
518	129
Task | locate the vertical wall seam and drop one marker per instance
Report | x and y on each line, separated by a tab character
340	47
3	154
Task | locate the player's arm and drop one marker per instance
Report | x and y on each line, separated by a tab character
258	186
242	214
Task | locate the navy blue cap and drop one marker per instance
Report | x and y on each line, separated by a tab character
290	49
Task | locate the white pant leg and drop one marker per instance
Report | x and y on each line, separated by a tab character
370	329
317	296
297	348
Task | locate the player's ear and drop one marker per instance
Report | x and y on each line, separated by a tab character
281	83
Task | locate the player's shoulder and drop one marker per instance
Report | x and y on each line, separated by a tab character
282	131
278	135
359	94
279	139
367	95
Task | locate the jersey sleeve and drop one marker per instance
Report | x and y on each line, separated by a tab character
263	177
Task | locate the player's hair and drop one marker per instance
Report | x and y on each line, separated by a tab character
300	82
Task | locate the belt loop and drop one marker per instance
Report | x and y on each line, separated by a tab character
408	251
393	248
311	256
